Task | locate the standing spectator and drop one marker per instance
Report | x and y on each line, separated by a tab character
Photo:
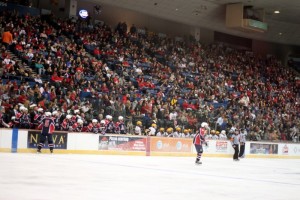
48	126
7	38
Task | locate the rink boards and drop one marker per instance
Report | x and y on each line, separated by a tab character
25	141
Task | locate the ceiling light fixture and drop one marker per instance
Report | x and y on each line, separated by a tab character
276	11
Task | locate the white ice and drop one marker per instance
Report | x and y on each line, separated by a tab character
88	177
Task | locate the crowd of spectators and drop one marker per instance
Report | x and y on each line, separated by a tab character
86	72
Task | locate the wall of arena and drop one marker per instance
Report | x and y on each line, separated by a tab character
25	141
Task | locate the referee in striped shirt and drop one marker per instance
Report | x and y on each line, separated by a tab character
235	142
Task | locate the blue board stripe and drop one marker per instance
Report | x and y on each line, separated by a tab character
14	141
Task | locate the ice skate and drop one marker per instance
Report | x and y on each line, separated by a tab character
38	151
236	159
198	163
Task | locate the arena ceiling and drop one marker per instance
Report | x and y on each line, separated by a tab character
282	28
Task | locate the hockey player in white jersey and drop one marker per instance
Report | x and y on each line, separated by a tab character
160	132
138	128
209	135
223	135
215	136
152	130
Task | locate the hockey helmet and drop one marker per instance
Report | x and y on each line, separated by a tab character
120	118
79	121
154	125
204	125
102	121
54	113
94	121
139	123
169	130
40	109
178	129
47	114
21	108
162	129
223	132
68	116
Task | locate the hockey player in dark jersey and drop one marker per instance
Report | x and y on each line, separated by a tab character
38	117
94	127
48	127
78	126
67	123
198	140
110	126
18	117
102	126
56	116
25	121
120	126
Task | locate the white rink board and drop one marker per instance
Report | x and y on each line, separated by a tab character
5	138
94	177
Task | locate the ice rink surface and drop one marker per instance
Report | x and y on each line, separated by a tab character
89	177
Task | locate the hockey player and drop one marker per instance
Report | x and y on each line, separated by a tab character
56	118
138	128
172	133
18	117
209	135
191	133
107	119
38	117
215	136
186	133
161	132
198	140
110	126
178	132
78	126
222	135
72	121
120	126
66	124
25	119
243	135
235	142
48	127
152	130
102	126
94	127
